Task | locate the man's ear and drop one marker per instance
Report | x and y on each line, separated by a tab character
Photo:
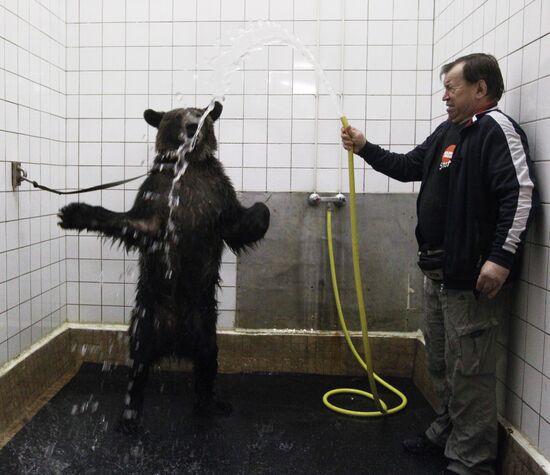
482	88
153	117
216	112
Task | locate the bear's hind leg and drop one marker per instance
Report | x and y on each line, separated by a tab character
130	420
205	369
141	344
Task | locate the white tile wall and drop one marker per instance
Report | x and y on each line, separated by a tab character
517	33
32	131
122	59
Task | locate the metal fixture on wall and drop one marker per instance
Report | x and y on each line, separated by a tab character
17	174
315	198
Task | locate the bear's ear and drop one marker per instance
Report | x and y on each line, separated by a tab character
153	117
216	112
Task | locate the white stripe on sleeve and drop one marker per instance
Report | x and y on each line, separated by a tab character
526	185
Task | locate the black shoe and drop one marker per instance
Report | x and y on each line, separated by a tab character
448	472
420	445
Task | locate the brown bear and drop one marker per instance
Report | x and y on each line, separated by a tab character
180	252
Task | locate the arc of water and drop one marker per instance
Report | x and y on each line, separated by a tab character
254	38
317	98
342	65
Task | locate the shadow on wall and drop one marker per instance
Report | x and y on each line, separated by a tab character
287	284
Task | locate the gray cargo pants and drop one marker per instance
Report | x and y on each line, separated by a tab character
460	331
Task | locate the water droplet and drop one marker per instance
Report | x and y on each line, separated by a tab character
49	450
137	451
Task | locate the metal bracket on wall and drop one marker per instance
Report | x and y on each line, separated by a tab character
17	174
314	199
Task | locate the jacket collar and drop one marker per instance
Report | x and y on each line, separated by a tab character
479	114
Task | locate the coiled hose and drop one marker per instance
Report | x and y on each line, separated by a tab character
367	363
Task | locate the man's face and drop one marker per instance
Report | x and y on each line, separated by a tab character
463	99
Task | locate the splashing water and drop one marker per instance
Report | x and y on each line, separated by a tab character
207	111
173	202
181	166
254	38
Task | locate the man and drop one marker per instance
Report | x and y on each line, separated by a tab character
473	207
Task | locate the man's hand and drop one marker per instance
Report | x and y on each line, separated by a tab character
491	278
353	139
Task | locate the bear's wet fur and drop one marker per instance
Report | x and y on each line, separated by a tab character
175	310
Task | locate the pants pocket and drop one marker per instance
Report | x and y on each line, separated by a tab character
478	350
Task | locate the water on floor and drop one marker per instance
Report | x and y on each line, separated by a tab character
279	426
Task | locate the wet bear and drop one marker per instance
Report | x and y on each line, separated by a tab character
180	250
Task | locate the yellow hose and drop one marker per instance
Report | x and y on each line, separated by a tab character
367	365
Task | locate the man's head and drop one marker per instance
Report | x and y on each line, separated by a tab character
472	83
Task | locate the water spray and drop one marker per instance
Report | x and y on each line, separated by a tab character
179	169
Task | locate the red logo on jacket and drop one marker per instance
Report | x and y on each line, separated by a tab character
447	157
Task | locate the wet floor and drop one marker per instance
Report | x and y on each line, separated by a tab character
279	426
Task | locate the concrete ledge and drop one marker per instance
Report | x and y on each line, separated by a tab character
265	351
517	455
28	377
420	375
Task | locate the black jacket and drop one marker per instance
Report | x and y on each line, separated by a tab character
491	192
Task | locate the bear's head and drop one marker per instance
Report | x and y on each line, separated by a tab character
179	125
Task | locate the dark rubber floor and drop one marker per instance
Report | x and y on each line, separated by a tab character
279	426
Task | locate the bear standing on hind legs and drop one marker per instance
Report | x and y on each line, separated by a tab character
180	253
